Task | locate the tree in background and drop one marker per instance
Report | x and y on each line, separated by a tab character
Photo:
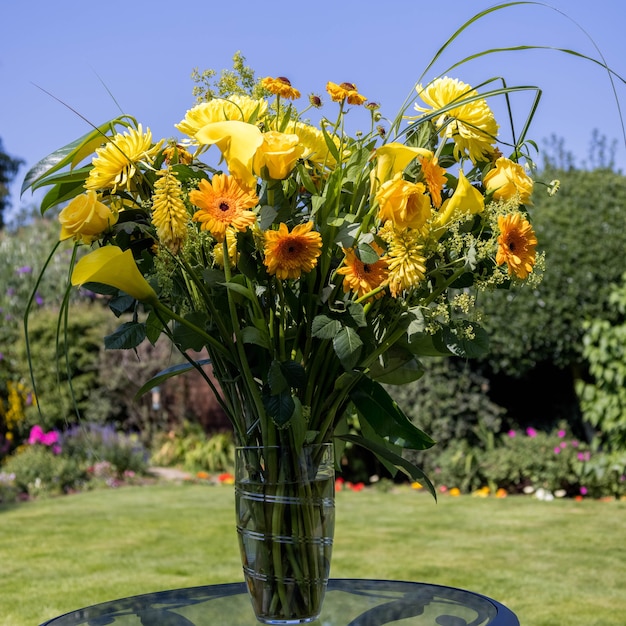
9	167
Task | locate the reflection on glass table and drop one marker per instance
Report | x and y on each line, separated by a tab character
349	602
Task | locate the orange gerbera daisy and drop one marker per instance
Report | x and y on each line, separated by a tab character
289	254
435	178
223	203
345	91
516	244
363	277
280	86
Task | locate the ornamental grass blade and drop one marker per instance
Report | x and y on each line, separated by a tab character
169	372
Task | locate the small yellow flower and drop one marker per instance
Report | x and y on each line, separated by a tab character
290	254
169	213
85	218
434	176
115	164
280	87
508	180
472	125
343	92
223	204
361	278
516	244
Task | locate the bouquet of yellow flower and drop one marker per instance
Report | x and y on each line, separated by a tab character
315	267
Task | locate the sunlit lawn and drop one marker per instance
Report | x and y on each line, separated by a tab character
553	563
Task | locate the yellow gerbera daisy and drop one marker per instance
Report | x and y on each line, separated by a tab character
360	277
223	203
516	244
169	213
289	254
407	265
345	91
472	126
115	163
280	87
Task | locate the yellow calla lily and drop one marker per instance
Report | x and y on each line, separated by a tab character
115	267
238	143
393	158
466	200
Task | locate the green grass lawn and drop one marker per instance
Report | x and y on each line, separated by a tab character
560	563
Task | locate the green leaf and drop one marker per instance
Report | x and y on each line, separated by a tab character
170	372
383	414
129	335
275	378
154	327
357	313
253	335
294	374
467	348
397	366
61	193
384	454
279	407
324	327
347	345
185	337
70	154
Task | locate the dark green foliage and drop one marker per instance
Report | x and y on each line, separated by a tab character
54	366
8	170
581	229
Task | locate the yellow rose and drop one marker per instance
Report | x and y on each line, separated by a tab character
114	267
508	180
404	203
277	155
85	217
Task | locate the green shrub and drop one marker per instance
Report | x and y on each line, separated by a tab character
38	471
93	443
192	449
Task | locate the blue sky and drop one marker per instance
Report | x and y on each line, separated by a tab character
144	52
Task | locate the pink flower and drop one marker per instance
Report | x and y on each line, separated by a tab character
557	450
531	432
49	438
561	434
511	434
563	445
36	434
583	491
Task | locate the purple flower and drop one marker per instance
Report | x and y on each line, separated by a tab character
38	299
25	269
531	432
574	444
10	291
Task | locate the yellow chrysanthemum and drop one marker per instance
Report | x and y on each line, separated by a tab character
115	163
345	91
516	244
361	278
472	126
315	146
231	242
407	265
223	204
280	86
169	213
237	107
289	254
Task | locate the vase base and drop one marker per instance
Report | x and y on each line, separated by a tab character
285	622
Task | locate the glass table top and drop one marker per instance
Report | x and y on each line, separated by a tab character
348	602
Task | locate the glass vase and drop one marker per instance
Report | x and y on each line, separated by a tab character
285	504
